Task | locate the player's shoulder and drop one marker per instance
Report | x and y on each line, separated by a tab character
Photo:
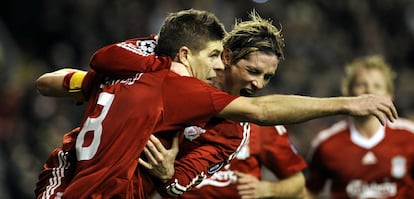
185	80
402	124
330	132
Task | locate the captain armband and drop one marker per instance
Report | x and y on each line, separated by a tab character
73	81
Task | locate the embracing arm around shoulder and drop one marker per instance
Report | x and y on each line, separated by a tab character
51	84
289	109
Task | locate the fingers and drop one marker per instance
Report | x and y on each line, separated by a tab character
240	175
388	111
382	108
243	178
157	143
246	185
151	155
144	164
156	148
246	191
248	194
380	118
393	113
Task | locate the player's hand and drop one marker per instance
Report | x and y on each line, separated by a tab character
160	161
381	107
249	186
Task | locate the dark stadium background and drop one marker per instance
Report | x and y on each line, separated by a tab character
38	36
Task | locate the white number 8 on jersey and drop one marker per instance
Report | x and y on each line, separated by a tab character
93	125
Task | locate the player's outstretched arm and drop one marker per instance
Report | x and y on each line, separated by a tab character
288	109
52	84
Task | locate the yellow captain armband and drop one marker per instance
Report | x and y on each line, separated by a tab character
75	83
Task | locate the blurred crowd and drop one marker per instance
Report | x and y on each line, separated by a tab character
38	36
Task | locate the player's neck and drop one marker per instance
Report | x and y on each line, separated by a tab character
367	126
179	69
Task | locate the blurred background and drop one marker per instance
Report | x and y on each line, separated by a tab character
38	36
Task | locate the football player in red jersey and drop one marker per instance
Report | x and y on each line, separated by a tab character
186	111
106	164
375	161
247	70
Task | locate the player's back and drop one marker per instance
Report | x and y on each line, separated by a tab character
121	116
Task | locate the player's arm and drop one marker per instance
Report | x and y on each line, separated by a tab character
213	150
251	187
288	109
128	57
53	84
189	170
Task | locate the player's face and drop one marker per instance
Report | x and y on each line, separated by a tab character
252	74
204	64
369	81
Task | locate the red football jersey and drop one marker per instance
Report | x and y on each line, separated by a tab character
137	54
267	146
202	152
121	115
379	167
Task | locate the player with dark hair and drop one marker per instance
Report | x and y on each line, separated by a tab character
122	113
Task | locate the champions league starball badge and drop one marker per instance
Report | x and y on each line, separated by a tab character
147	46
398	167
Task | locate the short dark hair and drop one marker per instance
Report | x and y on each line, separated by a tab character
191	28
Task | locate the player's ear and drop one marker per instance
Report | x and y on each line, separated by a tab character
226	56
182	56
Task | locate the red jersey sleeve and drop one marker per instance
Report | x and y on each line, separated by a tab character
129	57
91	81
202	153
277	152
